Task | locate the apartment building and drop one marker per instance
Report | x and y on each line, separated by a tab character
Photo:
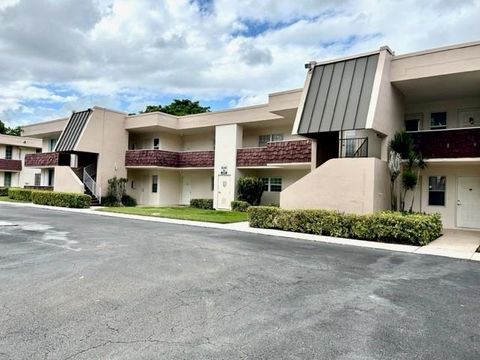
322	146
12	154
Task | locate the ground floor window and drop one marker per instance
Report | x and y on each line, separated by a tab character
436	190
273	184
154	183
51	176
7	179
38	179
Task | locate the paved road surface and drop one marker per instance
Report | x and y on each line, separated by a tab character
78	286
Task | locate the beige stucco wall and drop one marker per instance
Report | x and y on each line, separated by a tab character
349	185
65	180
195	184
288	176
251	135
168	141
451	106
452	172
105	134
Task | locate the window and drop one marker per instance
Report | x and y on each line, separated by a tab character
438	120
156	144
51	144
436	190
212	183
272	184
264	139
7	179
411	124
51	177
38	179
38	151
154	183
132	184
8	151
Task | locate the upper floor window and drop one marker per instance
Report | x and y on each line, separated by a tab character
264	139
51	144
8	151
411	124
38	150
156	143
438	120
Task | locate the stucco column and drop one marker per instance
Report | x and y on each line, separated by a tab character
228	138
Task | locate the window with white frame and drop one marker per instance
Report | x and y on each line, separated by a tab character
8	152
7	179
272	184
38	179
264	139
436	190
438	120
51	144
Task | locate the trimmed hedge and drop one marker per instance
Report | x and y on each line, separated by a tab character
111	201
70	200
386	226
20	194
206	204
3	191
239	205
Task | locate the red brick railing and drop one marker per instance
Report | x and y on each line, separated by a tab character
10	165
449	143
47	159
177	159
276	152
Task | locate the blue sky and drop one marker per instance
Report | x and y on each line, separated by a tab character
62	55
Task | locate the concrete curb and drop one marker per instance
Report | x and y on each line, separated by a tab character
244	227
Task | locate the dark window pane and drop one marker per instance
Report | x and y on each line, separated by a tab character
411	125
436	198
438	120
154	183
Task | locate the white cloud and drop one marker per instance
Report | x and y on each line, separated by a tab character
96	50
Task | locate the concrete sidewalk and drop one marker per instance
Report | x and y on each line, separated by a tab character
453	244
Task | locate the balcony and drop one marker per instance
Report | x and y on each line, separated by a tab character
49	159
276	152
171	159
10	165
448	143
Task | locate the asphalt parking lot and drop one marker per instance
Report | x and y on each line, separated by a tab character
77	286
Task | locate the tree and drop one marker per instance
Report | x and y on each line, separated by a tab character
179	108
402	150
5	130
250	189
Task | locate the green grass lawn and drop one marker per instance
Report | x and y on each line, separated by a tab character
7	199
183	213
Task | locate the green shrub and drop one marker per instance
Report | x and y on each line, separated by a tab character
250	189
206	204
263	216
128	201
238	205
3	191
20	194
396	227
52	198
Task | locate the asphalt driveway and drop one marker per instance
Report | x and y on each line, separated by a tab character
77	286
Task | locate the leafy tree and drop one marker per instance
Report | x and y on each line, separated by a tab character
179	108
5	130
250	189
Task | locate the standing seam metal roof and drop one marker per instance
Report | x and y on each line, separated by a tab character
339	95
73	130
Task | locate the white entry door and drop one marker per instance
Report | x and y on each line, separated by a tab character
224	192
468	202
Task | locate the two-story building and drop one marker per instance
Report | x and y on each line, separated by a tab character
323	146
12	154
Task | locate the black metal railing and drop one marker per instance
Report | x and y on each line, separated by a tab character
354	147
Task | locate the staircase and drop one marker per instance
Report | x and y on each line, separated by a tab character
94	201
91	187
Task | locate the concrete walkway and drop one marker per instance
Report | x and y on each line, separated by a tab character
455	243
459	244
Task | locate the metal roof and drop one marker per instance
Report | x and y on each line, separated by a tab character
338	96
70	135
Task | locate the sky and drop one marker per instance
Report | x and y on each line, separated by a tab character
57	56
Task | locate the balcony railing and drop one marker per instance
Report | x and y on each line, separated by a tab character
174	159
49	159
354	147
276	152
10	165
448	143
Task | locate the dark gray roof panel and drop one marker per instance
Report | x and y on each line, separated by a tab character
339	95
72	131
